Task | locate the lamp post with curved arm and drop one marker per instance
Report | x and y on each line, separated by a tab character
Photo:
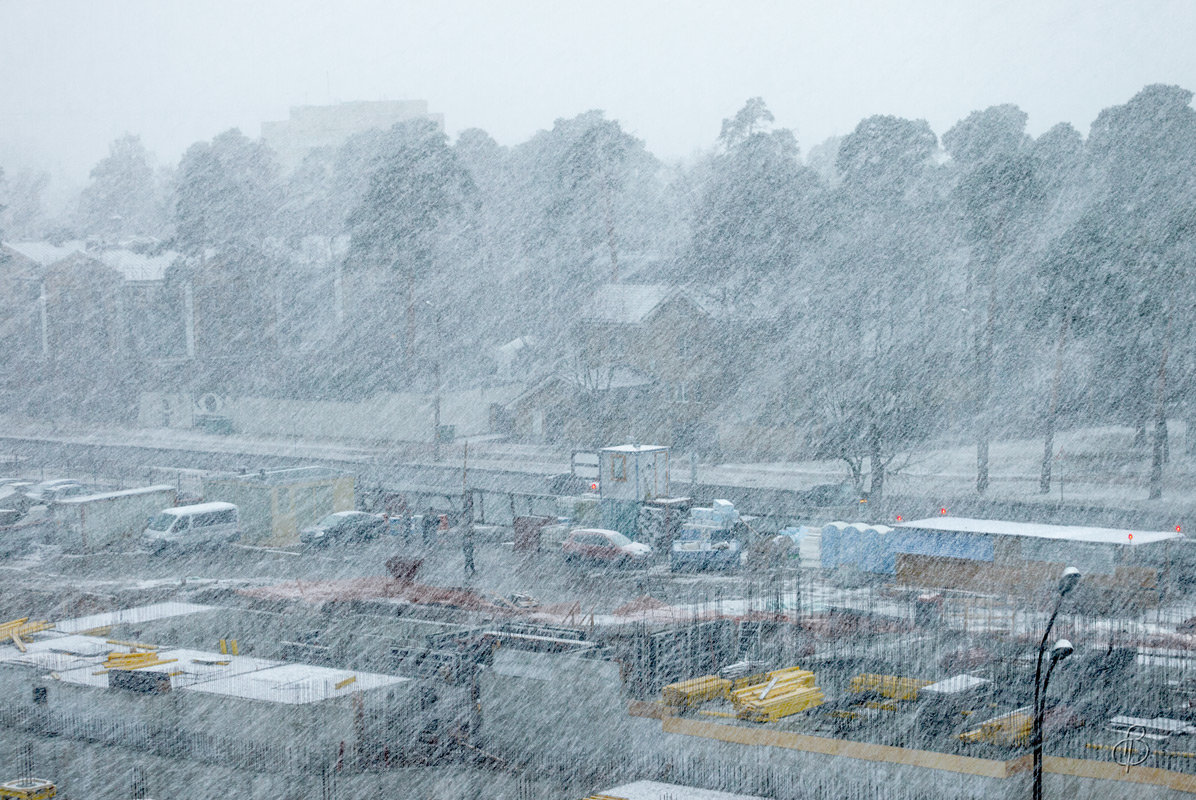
1067	582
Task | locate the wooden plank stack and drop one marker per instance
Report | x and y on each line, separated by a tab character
892	686
782	693
695	691
1012	730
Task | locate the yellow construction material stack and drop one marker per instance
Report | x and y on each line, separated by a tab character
695	691
784	692
779	680
133	661
1012	730
18	629
892	686
746	680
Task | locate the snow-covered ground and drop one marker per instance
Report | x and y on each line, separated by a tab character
1091	465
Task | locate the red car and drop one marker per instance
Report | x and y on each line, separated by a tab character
599	546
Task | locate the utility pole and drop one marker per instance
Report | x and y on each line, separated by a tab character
436	415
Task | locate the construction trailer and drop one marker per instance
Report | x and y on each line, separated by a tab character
276	504
629	476
1004	556
97	520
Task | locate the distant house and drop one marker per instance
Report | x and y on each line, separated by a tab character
648	361
72	299
585	409
20	305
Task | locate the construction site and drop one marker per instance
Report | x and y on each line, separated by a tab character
832	664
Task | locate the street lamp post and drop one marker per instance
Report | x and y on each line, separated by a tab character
1061	650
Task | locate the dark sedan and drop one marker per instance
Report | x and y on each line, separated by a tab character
344	526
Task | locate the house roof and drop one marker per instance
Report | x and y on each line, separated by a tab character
135	266
600	380
131	266
627	303
45	253
633	303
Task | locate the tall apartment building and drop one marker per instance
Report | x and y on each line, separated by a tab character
310	127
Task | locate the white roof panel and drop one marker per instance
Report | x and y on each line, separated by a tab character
1075	533
130	615
186	668
296	684
56	652
79	660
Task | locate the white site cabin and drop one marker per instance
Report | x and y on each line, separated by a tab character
635	472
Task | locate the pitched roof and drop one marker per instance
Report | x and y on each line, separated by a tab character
131	265
45	253
627	303
138	267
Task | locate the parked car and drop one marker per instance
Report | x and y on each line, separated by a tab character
599	546
203	524
12	498
344	526
831	494
47	492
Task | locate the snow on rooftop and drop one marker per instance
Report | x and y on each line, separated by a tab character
627	303
186	668
130	615
45	253
198	508
57	652
91	498
136	266
634	448
654	790
955	685
1075	533
79	660
131	265
296	684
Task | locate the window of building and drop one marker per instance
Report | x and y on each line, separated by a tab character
618	467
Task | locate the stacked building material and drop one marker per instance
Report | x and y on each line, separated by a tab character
784	692
695	691
1012	730
18	629
894	687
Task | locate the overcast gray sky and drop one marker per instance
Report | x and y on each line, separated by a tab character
75	75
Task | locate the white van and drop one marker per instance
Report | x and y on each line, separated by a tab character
206	523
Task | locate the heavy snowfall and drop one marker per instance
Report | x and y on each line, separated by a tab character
365	455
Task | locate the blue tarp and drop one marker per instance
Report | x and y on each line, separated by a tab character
875	548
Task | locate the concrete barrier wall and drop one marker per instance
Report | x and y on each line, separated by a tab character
406	416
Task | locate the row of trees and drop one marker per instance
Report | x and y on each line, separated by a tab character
988	283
